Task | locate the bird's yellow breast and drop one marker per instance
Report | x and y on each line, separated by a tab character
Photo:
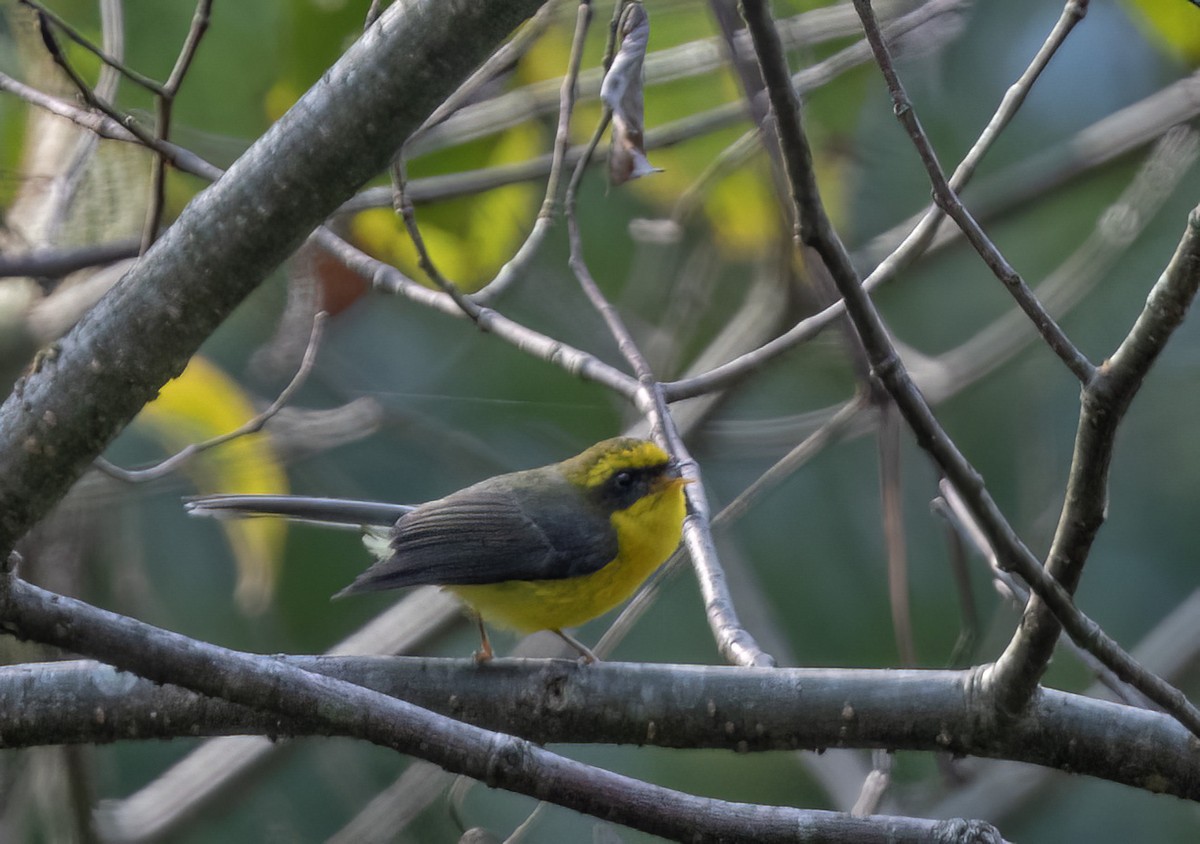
647	532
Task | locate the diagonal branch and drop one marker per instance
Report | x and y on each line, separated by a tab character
1103	404
947	199
923	233
229	238
816	231
164	103
733	640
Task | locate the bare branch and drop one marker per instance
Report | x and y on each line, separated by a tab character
759	710
922	234
109	60
947	199
562	143
53	263
1103	405
164	102
388	279
817	232
272	685
251	426
106	126
733	640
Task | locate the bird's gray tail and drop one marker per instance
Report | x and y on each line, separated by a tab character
338	512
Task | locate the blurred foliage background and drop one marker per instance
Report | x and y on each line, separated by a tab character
415	404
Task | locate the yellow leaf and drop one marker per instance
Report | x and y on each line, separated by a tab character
203	403
744	213
468	243
1174	25
279	98
382	234
546	57
500	219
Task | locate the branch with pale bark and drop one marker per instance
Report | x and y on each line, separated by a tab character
64	413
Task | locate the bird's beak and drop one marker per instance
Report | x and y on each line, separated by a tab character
672	479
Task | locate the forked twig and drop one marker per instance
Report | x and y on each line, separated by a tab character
252	426
816	231
164	102
947	199
733	640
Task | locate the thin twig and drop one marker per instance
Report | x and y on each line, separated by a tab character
60	58
892	506
922	234
402	202
252	426
1103	404
769	480
733	640
515	267
405	209
113	128
112	61
947	199
1117	226
164	102
390	280
562	132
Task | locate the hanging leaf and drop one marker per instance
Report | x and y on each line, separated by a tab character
621	92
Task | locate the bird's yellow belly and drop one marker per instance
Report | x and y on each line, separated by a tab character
647	534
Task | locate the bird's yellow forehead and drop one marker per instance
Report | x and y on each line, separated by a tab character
596	465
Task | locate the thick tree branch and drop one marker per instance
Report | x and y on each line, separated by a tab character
272	685
229	238
548	701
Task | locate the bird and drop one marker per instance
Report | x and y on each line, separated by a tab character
548	548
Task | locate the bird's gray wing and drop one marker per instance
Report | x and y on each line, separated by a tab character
486	534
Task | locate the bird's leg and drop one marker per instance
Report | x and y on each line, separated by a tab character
584	650
484	654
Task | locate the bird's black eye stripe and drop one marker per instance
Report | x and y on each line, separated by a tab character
626	486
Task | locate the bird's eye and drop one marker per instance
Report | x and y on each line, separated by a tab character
623	480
